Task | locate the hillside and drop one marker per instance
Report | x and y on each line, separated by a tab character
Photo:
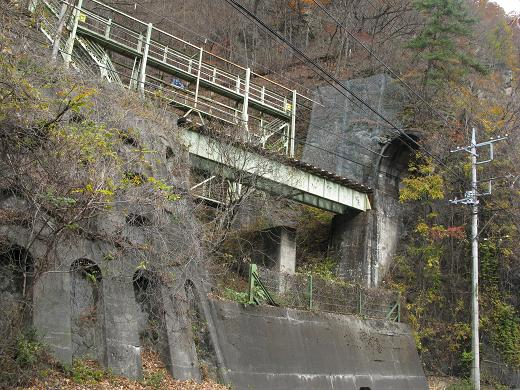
89	170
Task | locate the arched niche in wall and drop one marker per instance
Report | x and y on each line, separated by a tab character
150	308
16	280
86	289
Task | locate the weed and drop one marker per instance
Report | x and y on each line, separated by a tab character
28	349
82	372
154	379
237	296
464	384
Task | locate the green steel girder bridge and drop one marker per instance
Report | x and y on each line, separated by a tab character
204	87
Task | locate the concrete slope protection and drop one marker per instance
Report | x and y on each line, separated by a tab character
266	347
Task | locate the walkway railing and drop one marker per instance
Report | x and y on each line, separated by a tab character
142	57
311	292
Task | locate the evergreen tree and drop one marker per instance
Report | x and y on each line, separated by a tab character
441	43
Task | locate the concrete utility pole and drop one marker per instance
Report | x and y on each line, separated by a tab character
471	198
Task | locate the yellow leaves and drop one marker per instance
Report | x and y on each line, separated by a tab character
417	188
132	178
107	193
160	185
425	184
422	228
75	100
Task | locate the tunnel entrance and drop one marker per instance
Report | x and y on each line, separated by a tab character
393	165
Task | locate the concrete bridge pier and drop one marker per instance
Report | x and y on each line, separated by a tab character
351	244
278	250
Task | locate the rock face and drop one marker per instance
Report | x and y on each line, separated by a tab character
276	348
365	148
81	276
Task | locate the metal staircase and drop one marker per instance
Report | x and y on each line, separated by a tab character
137	55
86	53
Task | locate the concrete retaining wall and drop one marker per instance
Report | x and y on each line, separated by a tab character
277	348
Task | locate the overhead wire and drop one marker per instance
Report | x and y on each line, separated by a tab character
268	70
356	103
343	156
204	38
175	23
333	81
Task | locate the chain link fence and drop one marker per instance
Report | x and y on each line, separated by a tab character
312	292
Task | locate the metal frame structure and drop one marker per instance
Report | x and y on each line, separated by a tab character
138	56
213	86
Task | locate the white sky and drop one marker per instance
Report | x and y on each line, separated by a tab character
509	5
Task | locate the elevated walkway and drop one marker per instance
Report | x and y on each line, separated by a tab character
127	51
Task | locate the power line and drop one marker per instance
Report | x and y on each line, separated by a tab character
175	23
354	102
296	140
343	156
330	79
228	50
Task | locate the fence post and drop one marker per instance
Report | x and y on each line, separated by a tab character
360	301
107	28
309	290
399	307
251	292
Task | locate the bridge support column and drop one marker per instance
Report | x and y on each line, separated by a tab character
351	243
279	249
278	252
69	47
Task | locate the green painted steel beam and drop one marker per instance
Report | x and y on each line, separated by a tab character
270	175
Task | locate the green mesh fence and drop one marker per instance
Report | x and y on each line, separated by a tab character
313	292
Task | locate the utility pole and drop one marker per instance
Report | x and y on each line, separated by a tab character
471	198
